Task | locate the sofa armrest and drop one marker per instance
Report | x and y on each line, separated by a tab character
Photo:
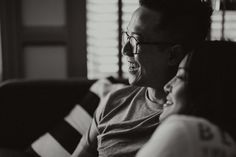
29	108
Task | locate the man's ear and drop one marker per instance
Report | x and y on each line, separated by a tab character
176	54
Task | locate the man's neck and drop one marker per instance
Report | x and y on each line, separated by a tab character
156	96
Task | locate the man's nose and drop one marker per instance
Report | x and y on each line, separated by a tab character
127	49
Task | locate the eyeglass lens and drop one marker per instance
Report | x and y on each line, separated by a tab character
130	39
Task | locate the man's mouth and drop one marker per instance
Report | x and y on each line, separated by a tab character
133	66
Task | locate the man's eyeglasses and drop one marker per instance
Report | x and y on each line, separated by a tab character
126	38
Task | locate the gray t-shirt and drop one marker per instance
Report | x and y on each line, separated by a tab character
125	120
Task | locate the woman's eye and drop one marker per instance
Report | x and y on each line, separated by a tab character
181	77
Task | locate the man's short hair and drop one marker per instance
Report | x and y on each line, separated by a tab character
193	17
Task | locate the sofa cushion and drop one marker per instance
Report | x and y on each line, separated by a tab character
29	108
62	140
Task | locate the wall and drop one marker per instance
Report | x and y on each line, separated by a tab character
44	60
0	54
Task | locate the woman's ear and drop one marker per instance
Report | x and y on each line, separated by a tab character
176	54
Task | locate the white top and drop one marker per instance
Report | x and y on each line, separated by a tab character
185	136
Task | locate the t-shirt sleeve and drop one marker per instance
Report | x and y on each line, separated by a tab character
87	146
171	139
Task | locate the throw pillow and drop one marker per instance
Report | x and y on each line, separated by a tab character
63	139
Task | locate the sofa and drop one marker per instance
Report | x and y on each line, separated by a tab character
31	108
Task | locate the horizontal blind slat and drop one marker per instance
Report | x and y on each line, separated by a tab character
229	32
102	35
102	38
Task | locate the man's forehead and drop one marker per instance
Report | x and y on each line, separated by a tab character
148	24
144	20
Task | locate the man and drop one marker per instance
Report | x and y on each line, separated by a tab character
157	38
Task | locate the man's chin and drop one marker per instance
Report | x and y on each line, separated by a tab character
135	80
132	79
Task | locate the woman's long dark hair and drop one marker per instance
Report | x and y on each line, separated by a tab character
212	84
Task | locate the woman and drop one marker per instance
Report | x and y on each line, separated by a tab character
199	116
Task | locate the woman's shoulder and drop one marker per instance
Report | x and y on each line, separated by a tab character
188	136
193	125
202	134
185	118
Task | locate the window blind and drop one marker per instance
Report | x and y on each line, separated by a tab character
103	35
223	25
0	54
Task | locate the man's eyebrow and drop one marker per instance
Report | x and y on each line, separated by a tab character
136	33
132	33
